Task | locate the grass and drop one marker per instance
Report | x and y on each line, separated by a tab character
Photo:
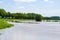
4	24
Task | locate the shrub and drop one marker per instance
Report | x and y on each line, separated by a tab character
38	18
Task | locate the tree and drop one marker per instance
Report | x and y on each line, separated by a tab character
2	13
9	15
38	18
31	15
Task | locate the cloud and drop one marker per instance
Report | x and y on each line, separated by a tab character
25	0
46	0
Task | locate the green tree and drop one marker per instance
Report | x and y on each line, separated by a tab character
2	13
9	15
38	18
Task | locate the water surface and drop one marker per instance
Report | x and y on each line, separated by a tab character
32	31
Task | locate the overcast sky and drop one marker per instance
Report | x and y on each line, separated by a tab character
44	7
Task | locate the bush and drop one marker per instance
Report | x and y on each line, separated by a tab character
38	18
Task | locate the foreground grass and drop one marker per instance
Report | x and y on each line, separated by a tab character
4	24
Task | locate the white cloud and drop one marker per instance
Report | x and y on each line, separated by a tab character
46	0
25	0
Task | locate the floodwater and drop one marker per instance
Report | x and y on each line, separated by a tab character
32	31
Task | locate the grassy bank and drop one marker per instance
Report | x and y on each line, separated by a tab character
4	24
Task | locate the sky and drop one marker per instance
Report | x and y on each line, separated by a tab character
43	7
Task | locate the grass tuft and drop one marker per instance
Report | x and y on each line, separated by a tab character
4	24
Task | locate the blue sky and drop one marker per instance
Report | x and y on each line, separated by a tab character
44	7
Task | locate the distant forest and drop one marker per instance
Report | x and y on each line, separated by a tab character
39	17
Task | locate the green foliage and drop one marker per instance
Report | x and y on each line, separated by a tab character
4	24
51	18
46	18
38	18
9	15
2	13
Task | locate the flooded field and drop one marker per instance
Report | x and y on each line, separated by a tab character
32	31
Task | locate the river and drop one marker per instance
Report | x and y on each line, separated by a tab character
32	31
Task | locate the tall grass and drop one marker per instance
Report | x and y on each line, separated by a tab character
4	24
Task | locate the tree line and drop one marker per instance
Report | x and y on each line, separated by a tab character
51	18
34	16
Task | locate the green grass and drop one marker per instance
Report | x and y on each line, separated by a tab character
4	24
